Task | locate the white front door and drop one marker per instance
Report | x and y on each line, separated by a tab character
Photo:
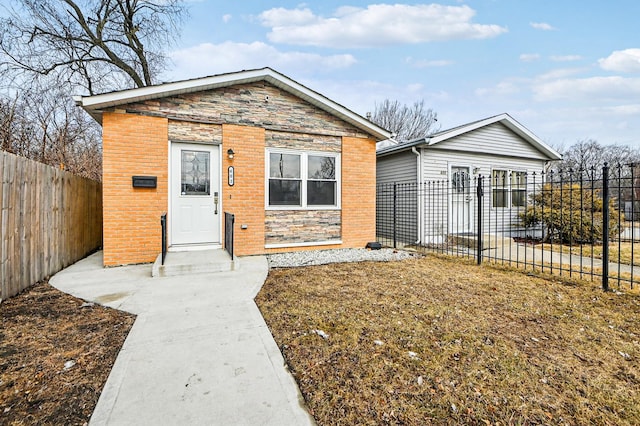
195	194
460	219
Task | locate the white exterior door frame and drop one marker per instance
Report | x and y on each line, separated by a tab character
461	196
195	215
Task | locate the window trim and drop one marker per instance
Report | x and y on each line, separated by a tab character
304	178
508	188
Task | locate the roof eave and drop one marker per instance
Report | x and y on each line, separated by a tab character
95	104
509	122
402	147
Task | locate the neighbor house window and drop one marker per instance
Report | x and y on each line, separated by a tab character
518	189
499	187
508	188
302	179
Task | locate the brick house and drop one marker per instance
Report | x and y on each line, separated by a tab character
296	169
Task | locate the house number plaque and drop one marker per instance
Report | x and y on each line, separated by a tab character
230	175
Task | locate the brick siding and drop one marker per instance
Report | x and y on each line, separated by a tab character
240	118
133	145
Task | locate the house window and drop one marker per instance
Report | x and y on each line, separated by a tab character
321	181
508	188
284	180
302	179
518	189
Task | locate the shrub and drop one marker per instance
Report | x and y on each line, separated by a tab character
570	214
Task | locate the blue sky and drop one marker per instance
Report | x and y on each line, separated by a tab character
567	70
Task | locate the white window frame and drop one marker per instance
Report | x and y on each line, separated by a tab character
517	187
508	188
304	178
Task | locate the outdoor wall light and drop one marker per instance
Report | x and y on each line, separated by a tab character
230	153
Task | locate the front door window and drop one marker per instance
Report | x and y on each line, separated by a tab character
195	173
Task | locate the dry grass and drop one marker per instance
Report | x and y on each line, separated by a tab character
42	329
625	252
491	346
572	273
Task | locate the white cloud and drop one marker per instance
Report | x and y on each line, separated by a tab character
565	58
377	25
541	26
361	96
503	88
627	60
529	57
280	16
559	74
602	88
207	59
425	63
226	18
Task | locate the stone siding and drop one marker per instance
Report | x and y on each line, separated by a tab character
186	131
302	226
246	104
303	142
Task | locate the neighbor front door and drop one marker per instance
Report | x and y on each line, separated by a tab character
460	217
195	195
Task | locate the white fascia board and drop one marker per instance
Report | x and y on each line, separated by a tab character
508	121
94	103
531	138
465	129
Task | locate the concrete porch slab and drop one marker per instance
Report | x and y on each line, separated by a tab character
193	262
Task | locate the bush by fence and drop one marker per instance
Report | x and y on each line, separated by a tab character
581	223
48	219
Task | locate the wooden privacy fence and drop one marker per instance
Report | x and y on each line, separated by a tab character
49	219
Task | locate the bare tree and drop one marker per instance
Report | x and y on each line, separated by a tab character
99	45
45	127
50	50
406	122
589	156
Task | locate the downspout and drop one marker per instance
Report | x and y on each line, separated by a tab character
420	193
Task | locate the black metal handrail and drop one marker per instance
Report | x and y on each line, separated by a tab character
229	220
163	224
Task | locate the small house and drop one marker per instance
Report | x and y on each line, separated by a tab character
294	168
435	179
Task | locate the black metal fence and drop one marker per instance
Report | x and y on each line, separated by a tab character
580	223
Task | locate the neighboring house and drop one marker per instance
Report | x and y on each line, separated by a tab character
295	168
445	166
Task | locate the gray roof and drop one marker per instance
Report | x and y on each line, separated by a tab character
444	135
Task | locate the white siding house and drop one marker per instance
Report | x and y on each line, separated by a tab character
446	165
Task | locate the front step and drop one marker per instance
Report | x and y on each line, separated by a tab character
193	262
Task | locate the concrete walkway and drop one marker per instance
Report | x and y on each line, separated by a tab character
199	352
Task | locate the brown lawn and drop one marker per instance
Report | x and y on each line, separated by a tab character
443	341
619	252
42	329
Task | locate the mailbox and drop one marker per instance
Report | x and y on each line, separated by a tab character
145	181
